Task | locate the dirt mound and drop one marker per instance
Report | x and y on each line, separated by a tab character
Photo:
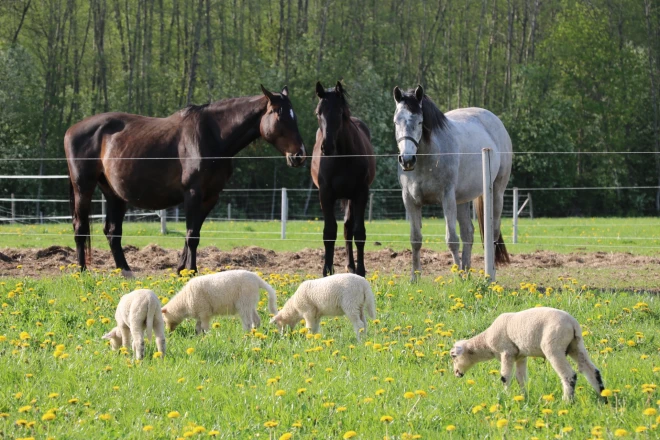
642	271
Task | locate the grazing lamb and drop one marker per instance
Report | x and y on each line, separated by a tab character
225	293
336	295
137	312
538	332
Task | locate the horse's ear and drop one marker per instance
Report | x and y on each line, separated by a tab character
285	91
419	93
398	96
268	94
320	91
339	89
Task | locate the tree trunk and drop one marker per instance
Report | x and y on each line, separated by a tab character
489	55
20	23
195	50
654	96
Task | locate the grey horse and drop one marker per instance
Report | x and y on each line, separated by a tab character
440	162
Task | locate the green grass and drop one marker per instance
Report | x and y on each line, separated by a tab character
220	382
640	236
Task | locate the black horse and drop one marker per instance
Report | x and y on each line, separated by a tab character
343	167
156	163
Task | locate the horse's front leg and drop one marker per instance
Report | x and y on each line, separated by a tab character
359	204
329	232
414	212
467	233
449	208
194	218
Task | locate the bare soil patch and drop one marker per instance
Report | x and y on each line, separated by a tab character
597	269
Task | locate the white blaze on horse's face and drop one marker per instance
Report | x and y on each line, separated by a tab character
408	131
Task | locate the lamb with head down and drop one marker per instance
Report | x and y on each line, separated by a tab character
336	295
539	332
137	313
225	293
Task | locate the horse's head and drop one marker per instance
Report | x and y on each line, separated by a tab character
332	112
279	127
408	120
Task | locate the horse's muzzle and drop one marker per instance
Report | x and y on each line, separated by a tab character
407	161
295	160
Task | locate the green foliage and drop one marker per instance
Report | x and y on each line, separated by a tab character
565	76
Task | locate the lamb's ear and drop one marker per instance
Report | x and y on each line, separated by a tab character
108	335
457	350
163	310
274	319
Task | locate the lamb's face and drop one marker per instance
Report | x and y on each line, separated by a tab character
461	358
114	336
282	323
170	323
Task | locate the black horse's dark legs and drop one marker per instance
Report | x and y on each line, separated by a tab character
196	212
359	232
116	208
329	233
81	229
348	236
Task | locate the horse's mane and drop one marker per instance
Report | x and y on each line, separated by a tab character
193	109
432	116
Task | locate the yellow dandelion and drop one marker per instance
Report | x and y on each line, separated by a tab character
450	428
48	416
386	419
271	424
640	429
501	423
173	415
301	390
349	434
213	433
421	393
567	429
158	354
73	401
650	412
53	395
105	417
620	433
477	409
606	393
380	391
190	350
389	379
148	428
549	398
25	408
286	436
408	395
280	393
518	398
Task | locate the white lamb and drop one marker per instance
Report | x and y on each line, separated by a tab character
137	312
538	332
224	293
336	295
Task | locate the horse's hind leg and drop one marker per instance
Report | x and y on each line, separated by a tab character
348	235
415	215
499	186
82	201
329	231
358	205
467	233
451	237
113	228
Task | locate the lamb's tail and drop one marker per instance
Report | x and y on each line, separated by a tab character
152	309
370	303
272	297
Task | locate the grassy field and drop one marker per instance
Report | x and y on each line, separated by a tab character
636	235
58	379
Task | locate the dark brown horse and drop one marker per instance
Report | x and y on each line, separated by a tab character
339	177
156	163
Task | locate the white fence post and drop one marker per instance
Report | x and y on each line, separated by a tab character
515	215
176	214
13	209
285	212
228	211
371	205
163	221
489	242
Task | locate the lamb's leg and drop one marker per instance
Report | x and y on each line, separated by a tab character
586	367
357	324
256	320
247	320
521	373
159	331
363	319
202	325
125	336
563	368
138	343
507	360
312	323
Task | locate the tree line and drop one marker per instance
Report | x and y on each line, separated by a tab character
565	76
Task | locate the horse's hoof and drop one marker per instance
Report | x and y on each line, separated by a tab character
127	273
328	270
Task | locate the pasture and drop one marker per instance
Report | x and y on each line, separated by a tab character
60	380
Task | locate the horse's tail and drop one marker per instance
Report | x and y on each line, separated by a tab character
501	254
346	207
75	219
